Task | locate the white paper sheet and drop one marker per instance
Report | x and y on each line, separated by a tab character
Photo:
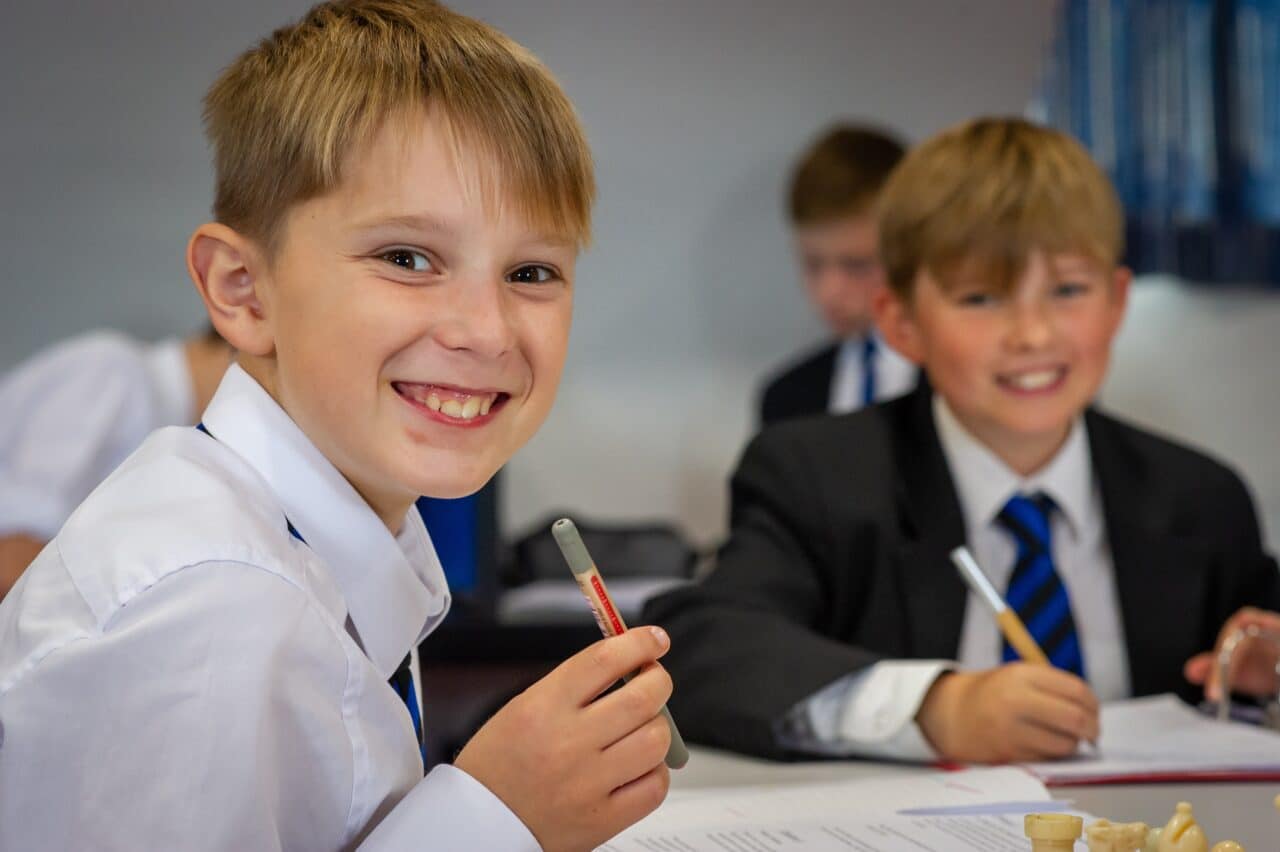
1160	736
859	815
867	834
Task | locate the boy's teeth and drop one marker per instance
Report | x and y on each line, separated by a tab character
466	408
1034	381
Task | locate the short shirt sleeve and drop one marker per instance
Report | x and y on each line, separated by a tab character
68	417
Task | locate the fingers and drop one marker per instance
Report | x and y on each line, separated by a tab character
599	666
622	711
1197	669
1243	619
1065	686
638	798
1063	721
637	753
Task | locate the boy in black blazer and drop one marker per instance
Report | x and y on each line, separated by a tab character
829	203
835	623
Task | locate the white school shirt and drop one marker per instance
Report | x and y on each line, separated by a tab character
895	375
872	713
177	671
71	413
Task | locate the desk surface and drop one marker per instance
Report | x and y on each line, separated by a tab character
1240	812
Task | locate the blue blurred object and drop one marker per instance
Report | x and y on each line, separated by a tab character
465	534
1179	100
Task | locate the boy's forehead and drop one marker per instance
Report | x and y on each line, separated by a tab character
417	171
1004	269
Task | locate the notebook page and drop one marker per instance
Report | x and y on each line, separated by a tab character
1159	735
706	809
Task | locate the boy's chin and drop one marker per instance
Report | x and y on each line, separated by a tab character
462	484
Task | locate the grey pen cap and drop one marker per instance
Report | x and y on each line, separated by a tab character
575	553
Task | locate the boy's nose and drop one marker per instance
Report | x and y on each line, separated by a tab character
477	319
1029	326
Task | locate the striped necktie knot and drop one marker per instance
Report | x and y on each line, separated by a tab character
1026	517
1036	592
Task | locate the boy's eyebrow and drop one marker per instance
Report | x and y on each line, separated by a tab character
429	224
410	221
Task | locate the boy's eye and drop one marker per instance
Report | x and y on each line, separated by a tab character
532	273
976	299
1070	288
407	259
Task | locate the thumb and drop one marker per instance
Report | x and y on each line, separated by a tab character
1201	671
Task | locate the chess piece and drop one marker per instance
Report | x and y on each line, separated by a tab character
1107	836
1053	832
1182	833
1227	846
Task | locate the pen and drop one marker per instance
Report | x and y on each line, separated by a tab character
1010	625
589	580
1014	631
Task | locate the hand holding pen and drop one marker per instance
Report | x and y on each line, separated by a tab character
575	764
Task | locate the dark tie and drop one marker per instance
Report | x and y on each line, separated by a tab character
402	682
869	352
1035	590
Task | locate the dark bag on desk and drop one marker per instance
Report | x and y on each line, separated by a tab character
619	550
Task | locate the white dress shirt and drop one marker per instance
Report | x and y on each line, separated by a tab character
71	413
894	374
178	672
872	713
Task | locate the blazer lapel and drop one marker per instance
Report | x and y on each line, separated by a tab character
1160	577
933	596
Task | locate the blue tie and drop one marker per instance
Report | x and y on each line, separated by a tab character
1035	590
869	352
402	682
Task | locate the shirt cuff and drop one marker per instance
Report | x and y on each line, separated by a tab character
870	713
450	810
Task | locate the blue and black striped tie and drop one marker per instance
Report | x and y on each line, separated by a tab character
869	353
1035	591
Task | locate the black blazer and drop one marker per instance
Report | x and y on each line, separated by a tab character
837	558
801	389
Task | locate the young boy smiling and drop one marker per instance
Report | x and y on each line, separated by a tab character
1124	553
214	652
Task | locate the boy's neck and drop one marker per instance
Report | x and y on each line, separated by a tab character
1024	455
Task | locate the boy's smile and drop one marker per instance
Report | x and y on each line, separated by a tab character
1016	368
418	324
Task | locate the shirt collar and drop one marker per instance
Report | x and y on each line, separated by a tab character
984	483
394	586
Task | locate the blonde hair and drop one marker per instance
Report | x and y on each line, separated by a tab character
287	116
840	174
984	195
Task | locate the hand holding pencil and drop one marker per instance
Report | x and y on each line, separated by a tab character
1021	711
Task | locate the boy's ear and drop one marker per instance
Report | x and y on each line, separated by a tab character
1121	278
230	273
897	325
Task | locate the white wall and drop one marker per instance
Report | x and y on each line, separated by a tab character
1200	364
694	108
